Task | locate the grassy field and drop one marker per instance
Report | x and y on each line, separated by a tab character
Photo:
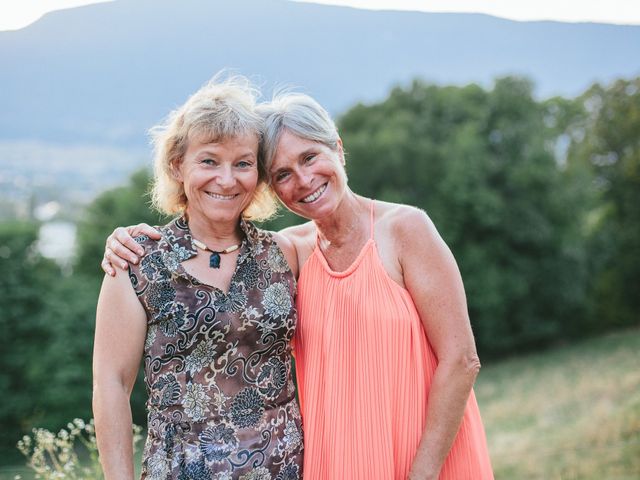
568	413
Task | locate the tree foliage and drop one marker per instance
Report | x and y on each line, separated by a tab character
607	145
482	164
24	287
126	205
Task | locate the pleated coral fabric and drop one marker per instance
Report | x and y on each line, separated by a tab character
364	368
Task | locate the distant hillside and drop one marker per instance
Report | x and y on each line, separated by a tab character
104	73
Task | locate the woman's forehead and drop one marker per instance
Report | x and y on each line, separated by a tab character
209	135
291	150
291	144
236	146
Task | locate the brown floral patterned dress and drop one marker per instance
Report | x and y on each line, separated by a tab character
221	397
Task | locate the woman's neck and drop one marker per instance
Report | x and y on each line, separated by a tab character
218	235
346	223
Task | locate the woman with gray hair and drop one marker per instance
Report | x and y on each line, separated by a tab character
209	308
385	355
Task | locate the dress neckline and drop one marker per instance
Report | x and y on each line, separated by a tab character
244	248
351	268
356	262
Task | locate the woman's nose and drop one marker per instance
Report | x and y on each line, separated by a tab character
226	178
305	179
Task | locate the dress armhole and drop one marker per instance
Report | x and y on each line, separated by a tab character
138	279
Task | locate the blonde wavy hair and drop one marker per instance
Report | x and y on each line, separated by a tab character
221	109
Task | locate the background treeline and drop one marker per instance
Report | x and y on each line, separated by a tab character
538	200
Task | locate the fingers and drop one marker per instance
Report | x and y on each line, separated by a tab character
107	268
107	265
121	248
144	229
119	256
122	238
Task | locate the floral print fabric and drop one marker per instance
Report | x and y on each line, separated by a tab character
221	397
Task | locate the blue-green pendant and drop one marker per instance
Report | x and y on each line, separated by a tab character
214	260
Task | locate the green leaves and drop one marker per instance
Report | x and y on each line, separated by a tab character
24	284
126	205
610	153
482	164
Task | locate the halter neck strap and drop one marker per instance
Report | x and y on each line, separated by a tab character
372	217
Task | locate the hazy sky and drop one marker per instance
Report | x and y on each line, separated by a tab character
16	14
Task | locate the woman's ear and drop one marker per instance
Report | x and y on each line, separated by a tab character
176	171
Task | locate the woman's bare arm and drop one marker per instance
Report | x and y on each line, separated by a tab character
432	278
119	339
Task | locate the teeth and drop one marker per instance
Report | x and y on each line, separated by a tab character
315	195
217	196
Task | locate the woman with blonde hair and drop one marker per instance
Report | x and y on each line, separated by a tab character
209	308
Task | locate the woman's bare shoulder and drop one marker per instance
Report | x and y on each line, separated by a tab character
300	233
402	221
303	238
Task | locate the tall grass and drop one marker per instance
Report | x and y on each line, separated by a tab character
569	413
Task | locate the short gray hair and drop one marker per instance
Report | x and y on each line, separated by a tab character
223	108
299	114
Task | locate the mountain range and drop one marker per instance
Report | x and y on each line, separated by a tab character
102	74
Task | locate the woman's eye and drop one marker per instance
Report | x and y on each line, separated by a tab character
208	161
244	164
281	176
308	158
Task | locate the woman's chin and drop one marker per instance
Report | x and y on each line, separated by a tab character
312	211
213	212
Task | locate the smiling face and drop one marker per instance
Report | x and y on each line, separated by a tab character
219	178
308	176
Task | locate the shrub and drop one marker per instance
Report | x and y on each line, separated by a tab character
58	456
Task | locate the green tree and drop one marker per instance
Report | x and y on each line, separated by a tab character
606	144
66	363
482	164
24	286
126	205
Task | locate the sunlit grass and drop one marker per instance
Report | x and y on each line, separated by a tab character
10	472
568	413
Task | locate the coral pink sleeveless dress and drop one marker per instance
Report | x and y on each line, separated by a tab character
364	368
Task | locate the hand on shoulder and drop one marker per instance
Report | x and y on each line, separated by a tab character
121	247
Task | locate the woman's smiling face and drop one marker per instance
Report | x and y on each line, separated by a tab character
219	178
308	176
